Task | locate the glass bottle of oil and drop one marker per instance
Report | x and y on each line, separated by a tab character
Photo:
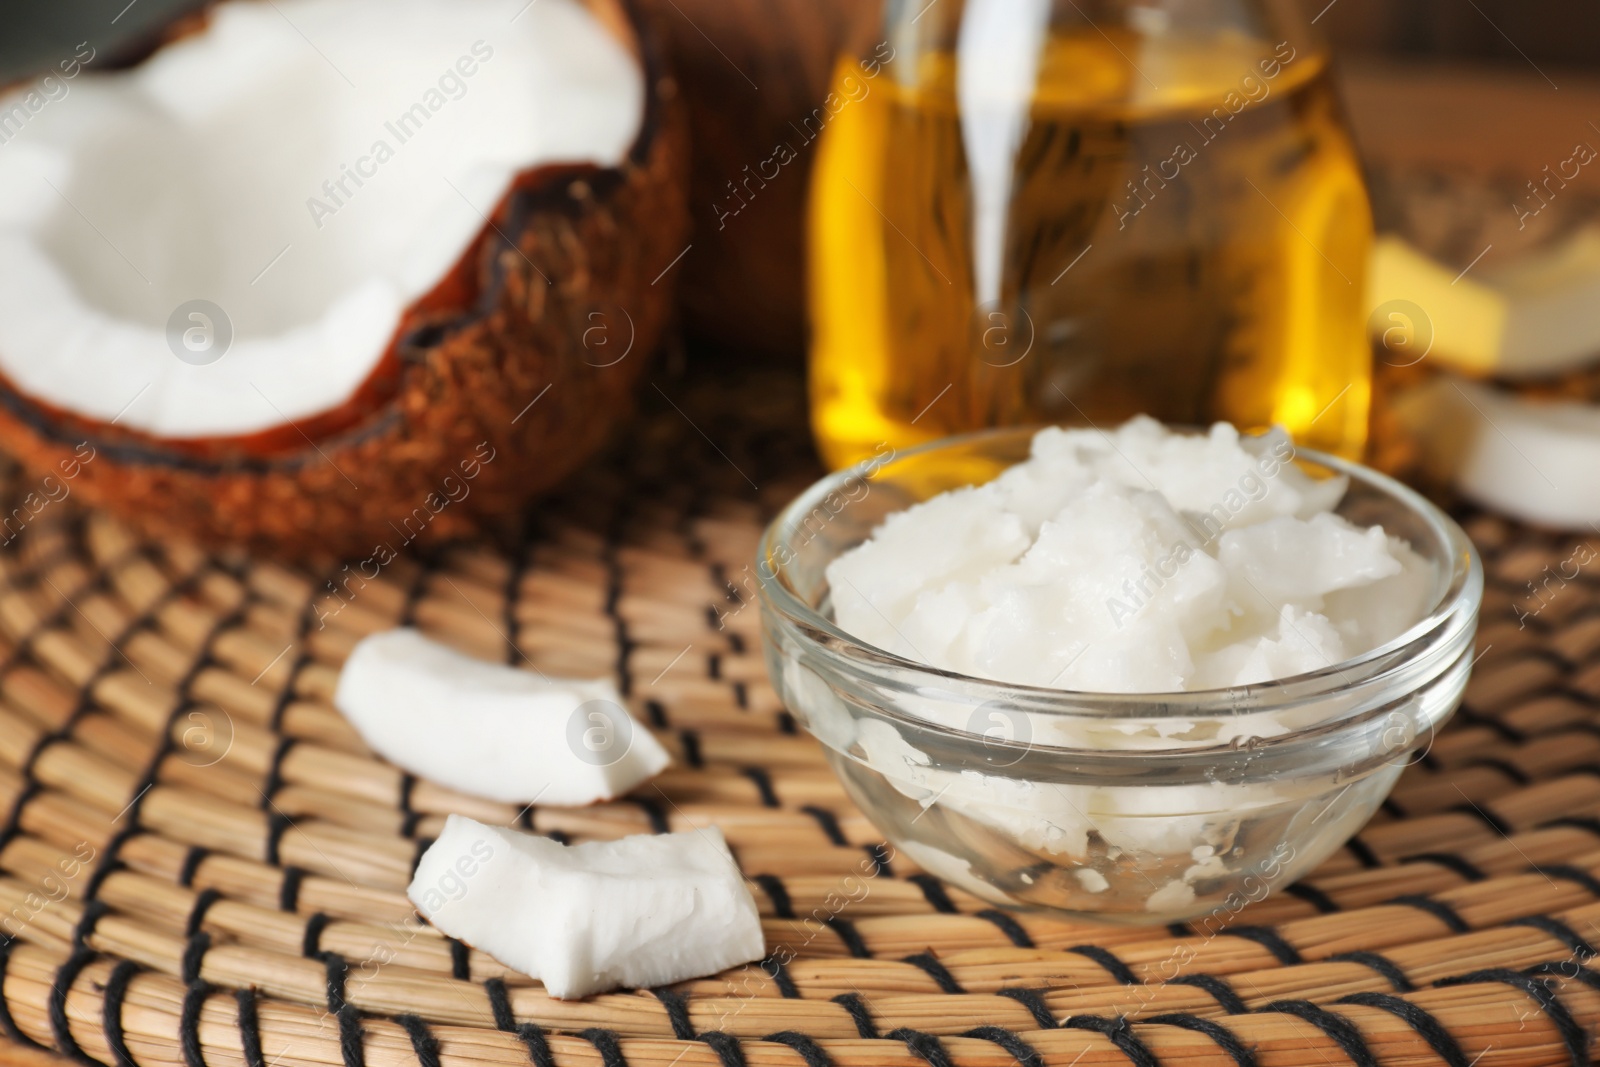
1070	210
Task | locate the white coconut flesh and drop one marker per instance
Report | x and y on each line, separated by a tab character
489	730
637	912
311	167
1529	458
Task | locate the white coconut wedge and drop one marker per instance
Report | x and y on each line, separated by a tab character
301	264
1532	459
493	731
637	912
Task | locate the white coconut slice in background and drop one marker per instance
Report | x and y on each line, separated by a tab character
490	730
637	912
311	257
1535	460
1530	317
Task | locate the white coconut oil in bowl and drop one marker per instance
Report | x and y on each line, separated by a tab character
1117	806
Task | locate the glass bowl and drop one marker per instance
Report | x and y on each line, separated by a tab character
1137	808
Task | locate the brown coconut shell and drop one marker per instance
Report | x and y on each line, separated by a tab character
500	382
751	71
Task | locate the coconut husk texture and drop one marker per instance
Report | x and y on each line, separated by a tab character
510	376
752	72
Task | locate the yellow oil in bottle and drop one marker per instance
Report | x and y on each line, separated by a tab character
1185	233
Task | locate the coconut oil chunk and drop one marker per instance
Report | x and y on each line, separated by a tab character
637	912
490	730
1134	561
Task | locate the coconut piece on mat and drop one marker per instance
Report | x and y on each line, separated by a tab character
637	912
491	730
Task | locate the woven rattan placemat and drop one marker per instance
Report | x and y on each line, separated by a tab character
203	866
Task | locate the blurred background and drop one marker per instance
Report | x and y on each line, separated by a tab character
1489	90
1462	111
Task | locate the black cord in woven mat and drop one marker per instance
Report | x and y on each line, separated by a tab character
1033	1000
194	954
1313	896
1219	988
423	1043
1339	1030
1468	714
249	1027
1419	1019
777	892
1574	941
1120	1033
287	694
1119	971
1241	1054
1437	908
811	1053
605	1042
1573	1035
197	914
1363	853
688	739
1006	925
352	1045
726	1046
352	1041
289	889
763	783
1517	775
926	1047
934	892
277	825
93	912
654	813
828	822
859	1013
1451	862
1386	967
1568	873
110	858
878	853
1018	1049
848	936
60	1027
311	935
1569	969
7	1023
13	824
423	844
274	779
460	960
1587	823
929	964
111	1015
538	1048
779	974
1485	816
191	865
194	1002
1269	939
500	1005
677	1008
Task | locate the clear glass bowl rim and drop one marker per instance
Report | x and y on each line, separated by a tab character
1461	596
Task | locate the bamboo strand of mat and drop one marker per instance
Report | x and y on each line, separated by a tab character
151	1004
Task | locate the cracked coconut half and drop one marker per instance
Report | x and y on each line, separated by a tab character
316	274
